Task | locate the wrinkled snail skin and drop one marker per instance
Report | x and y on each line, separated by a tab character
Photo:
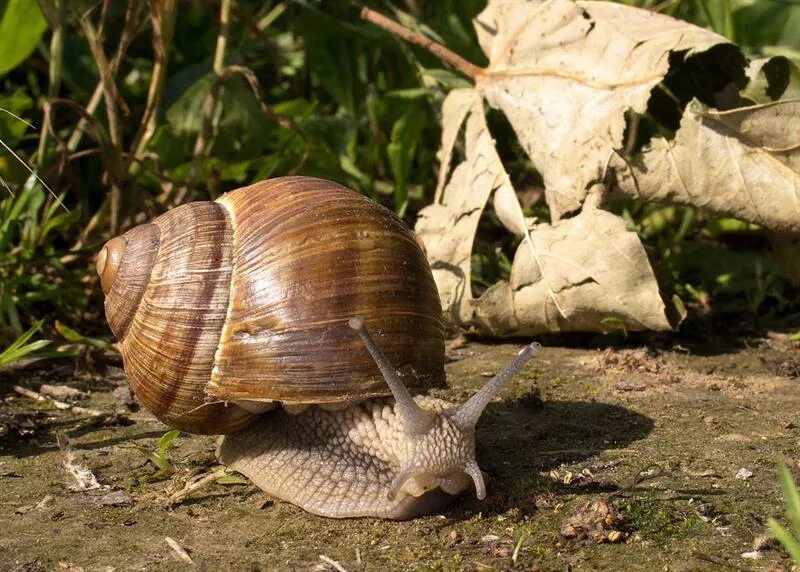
269	296
338	463
384	458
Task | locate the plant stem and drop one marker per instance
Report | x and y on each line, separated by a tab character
443	53
163	20
128	34
222	37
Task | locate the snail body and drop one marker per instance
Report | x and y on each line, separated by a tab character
225	309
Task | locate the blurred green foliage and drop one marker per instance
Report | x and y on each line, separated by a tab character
301	86
789	538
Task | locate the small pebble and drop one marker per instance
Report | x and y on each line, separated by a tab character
752	555
115	498
62	392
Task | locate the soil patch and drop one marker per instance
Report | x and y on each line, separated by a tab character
625	459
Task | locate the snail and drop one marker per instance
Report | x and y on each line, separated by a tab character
251	317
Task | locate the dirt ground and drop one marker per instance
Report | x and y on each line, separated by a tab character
598	459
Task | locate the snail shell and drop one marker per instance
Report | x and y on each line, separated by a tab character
247	299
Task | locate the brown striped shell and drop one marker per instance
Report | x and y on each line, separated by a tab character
248	297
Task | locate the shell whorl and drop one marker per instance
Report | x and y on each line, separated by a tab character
124	265
248	298
170	316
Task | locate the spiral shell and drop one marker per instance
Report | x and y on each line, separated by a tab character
248	297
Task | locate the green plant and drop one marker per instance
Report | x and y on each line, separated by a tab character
21	348
34	278
152	109
77	338
159	458
33	275
789	538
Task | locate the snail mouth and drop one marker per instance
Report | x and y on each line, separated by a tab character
421	483
432	502
108	262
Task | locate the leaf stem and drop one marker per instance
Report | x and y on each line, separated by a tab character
443	53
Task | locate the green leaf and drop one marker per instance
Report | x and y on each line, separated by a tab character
11	127
614	324
186	114
789	541
161	462
11	356
406	133
766	23
21	28
20	348
332	59
447	79
60	221
411	93
231	480
719	16
72	336
165	441
241	130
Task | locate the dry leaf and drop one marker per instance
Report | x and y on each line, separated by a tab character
744	163
455	108
542	77
564	73
771	79
448	228
588	270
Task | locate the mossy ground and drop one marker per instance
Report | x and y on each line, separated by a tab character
658	437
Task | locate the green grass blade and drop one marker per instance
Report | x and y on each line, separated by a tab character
790	544
792	497
7	357
20	347
23	339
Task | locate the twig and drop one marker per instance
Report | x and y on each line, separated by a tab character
77	134
467	68
55	19
111	95
641	476
721	561
332	562
85	118
56	403
162	16
633	134
125	40
114	104
179	550
283	120
198	484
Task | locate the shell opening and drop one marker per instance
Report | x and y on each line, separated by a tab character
108	262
